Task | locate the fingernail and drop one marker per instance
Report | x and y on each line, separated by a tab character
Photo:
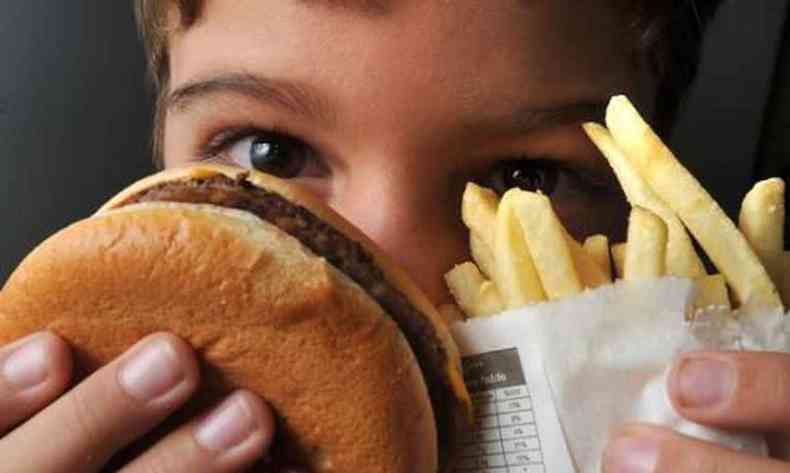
227	426
152	372
27	366
705	382
631	455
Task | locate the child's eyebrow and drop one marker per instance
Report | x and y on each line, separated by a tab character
364	7
305	101
297	98
526	119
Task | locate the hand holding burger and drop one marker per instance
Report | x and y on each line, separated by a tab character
277	294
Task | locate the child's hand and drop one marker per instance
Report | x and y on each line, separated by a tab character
80	430
745	391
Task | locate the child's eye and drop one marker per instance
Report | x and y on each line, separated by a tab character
270	152
526	174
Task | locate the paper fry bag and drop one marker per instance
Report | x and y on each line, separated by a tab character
579	367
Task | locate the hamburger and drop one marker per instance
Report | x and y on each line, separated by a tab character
278	294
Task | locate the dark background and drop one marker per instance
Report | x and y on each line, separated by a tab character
75	115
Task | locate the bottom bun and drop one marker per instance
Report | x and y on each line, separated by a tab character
263	312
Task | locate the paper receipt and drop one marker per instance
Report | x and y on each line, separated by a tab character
516	426
506	436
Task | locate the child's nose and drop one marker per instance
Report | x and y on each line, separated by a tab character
415	223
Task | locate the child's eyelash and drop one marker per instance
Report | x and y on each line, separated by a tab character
226	138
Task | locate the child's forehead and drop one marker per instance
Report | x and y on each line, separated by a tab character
470	32
462	50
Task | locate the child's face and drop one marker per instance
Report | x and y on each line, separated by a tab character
391	112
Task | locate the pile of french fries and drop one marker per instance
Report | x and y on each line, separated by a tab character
523	255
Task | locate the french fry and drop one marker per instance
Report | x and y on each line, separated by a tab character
482	254
711	291
490	301
682	258
545	237
476	296
597	247
786	278
645	255
590	273
515	275
762	221
478	212
618	258
724	244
